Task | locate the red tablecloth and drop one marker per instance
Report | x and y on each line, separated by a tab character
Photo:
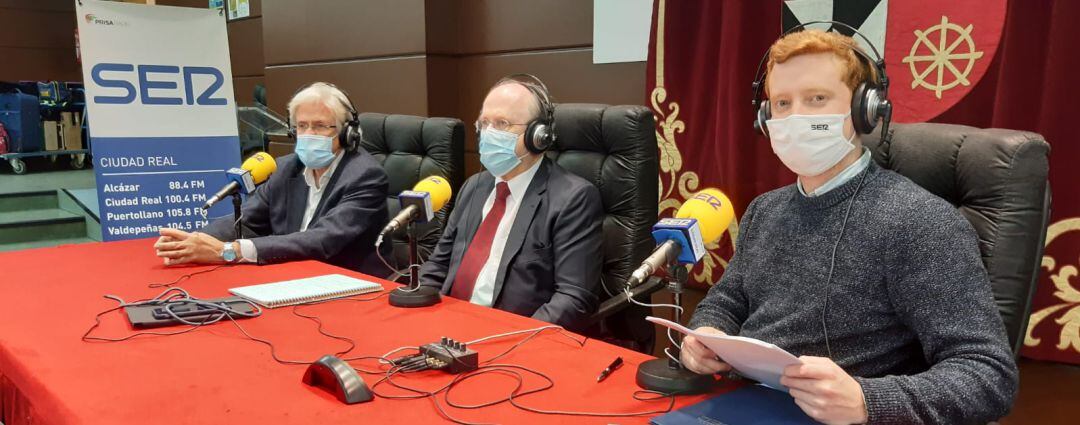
48	299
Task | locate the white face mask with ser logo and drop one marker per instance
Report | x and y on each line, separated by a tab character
810	144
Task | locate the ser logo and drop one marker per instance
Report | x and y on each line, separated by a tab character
709	199
163	79
819	127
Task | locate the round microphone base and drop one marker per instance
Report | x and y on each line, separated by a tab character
420	297
663	376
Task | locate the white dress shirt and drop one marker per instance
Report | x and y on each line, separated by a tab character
248	253
484	288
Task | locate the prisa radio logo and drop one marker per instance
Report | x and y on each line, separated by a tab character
94	19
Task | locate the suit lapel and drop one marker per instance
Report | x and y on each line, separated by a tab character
295	200
525	214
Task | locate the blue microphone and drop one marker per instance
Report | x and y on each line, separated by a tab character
702	218
254	171
684	233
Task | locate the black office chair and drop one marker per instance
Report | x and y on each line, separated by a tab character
411	148
614	147
998	180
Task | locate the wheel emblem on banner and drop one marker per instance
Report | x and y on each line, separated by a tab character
953	43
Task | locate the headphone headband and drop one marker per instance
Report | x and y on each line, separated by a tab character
540	133
883	79
537	88
350	134
870	97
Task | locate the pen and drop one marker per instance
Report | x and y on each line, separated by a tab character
611	368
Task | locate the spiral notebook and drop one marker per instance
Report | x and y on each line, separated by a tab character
300	291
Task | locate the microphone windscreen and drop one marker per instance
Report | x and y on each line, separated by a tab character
713	211
261	165
439	189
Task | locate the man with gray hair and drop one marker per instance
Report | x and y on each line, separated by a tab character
326	201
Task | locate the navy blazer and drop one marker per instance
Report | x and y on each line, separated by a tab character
552	259
342	232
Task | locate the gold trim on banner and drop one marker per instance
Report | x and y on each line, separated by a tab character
680	185
1065	291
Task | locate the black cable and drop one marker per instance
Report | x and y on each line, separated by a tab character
97	322
184	277
433	395
507	370
518	392
318	321
832	263
416	365
182	296
166	299
273	349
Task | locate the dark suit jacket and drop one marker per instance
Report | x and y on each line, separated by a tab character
342	232
552	259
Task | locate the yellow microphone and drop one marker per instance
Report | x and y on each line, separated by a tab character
700	220
261	165
712	210
420	204
253	172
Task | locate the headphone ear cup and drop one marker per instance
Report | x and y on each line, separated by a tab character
354	138
764	113
863	123
537	137
343	136
349	136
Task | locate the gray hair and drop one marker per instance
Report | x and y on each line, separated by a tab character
327	94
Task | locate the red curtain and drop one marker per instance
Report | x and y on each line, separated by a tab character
702	60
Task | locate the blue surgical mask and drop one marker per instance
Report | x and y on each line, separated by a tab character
314	150
497	151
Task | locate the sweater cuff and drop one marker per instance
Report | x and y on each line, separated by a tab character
718	322
884	401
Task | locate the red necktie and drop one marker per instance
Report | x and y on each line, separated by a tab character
480	247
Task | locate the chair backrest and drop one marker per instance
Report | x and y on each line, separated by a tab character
998	180
411	148
614	148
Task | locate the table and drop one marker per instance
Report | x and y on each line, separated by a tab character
48	375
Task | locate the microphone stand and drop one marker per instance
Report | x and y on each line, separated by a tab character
237	215
666	375
414	295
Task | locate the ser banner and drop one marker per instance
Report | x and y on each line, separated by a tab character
161	114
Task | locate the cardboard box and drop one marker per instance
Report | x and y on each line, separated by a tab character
71	130
52	135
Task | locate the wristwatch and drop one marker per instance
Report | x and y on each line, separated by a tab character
229	252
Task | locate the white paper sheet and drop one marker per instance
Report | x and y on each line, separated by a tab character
752	358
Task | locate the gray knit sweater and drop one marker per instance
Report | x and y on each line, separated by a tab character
910	314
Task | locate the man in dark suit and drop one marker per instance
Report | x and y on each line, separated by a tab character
326	201
525	235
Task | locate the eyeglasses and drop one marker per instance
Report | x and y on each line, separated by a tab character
500	124
318	128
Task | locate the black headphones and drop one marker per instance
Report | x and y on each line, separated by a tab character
869	102
540	132
349	136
